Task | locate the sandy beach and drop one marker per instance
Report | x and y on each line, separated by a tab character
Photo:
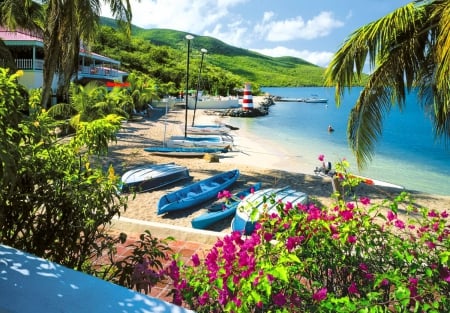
256	159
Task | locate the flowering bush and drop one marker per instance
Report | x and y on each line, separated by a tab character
356	256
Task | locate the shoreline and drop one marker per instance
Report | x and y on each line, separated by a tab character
256	158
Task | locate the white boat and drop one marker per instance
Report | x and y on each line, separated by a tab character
208	130
211	141
152	176
315	99
242	221
213	102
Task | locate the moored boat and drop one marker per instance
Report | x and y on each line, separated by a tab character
184	152
207	141
242	220
221	210
196	193
315	99
152	176
208	130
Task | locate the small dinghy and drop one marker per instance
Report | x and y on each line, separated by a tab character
221	210
207	141
193	152
196	193
152	176
242	221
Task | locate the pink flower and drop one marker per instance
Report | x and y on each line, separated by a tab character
364	200
351	239
346	215
321	157
352	289
444	214
320	295
399	224
391	216
195	259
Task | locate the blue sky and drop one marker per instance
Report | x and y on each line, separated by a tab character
311	30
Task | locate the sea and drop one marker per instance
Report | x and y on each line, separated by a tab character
407	153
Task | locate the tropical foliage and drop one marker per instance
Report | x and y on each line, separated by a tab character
409	48
53	203
354	256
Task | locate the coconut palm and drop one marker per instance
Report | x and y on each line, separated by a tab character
409	48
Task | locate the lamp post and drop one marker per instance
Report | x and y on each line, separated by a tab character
203	51
189	38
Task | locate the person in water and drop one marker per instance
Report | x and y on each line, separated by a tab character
330	128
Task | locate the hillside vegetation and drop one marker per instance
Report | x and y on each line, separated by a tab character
254	67
161	53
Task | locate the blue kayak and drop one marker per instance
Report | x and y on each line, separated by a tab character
220	211
196	193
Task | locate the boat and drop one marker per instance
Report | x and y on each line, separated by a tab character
376	182
196	193
315	99
212	103
242	221
208	130
193	152
221	210
207	141
152	176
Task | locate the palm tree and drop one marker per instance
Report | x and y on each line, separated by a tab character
409	48
63	25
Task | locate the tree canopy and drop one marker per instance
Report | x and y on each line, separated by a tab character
407	49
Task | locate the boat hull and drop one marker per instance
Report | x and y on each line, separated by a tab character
193	152
151	177
213	103
242	221
213	141
225	210
208	130
196	193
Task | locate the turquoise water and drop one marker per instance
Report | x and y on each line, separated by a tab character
407	153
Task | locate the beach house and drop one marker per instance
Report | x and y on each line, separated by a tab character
27	50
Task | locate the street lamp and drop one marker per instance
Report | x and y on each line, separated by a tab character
189	38
203	51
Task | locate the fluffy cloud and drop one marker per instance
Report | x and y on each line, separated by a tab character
296	28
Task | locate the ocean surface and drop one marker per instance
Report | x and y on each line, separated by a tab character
406	154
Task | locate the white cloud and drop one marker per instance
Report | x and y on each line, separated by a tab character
320	58
296	28
192	16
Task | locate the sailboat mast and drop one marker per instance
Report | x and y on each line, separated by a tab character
203	50
189	38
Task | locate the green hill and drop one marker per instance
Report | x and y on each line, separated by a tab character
252	66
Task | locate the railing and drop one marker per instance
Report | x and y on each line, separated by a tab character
95	70
27	64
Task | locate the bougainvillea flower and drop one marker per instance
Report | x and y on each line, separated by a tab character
321	157
320	295
352	289
364	200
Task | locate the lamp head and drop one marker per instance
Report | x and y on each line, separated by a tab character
189	37
203	50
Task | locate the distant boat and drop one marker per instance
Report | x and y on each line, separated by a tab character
152	176
208	130
315	99
196	193
280	99
193	152
210	141
222	210
242	221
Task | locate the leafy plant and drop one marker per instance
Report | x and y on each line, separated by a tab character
142	268
53	202
356	256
